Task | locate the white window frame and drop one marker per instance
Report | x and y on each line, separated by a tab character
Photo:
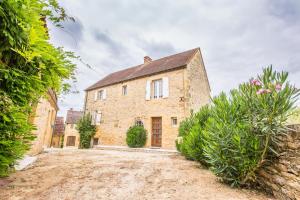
157	88
100	94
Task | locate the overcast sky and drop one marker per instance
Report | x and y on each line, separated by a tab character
237	38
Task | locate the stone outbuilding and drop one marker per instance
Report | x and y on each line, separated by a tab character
58	133
157	94
72	138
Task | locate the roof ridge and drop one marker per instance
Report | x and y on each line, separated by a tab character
170	62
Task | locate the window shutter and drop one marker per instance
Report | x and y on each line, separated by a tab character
96	95
98	118
94	117
165	87
148	90
104	94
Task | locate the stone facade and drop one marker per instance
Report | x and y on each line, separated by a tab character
188	89
72	138
70	131
282	177
43	118
58	133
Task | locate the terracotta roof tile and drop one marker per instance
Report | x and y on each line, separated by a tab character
156	66
73	116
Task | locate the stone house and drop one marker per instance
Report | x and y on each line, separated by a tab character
58	133
157	94
71	138
43	118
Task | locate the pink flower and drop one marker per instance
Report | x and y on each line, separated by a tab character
263	91
255	82
260	91
278	86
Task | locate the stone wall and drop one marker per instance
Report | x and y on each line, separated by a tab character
43	119
282	177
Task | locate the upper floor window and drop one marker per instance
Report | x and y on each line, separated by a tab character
124	90
157	89
100	95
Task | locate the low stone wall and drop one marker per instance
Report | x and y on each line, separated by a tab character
282	177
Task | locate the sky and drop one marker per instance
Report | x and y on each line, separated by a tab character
237	38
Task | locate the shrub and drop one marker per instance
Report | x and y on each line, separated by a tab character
86	131
243	127
136	136
194	141
240	132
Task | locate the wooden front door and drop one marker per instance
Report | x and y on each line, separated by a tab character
71	140
156	132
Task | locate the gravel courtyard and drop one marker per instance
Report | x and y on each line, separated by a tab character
107	174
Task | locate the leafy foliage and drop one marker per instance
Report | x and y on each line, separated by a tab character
29	66
240	134
136	136
86	131
194	140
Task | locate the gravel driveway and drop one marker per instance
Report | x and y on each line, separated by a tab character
107	174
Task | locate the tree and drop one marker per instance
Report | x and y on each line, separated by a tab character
86	131
29	66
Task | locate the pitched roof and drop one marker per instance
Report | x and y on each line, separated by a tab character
73	116
59	126
156	66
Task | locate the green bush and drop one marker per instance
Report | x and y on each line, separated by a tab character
86	131
194	136
240	132
136	136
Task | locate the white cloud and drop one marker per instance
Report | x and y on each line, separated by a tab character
237	38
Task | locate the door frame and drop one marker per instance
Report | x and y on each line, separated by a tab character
155	146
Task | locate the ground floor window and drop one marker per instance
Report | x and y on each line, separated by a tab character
174	121
71	140
139	123
95	141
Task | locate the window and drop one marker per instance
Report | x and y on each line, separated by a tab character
96	117
95	141
100	95
174	121
139	123
124	90
157	89
72	125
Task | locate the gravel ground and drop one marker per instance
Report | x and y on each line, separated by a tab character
107	174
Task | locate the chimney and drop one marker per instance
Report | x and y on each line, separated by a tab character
71	109
147	59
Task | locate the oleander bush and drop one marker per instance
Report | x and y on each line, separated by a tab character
194	138
136	136
240	134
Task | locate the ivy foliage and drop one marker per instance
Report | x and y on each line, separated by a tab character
86	131
240	133
29	66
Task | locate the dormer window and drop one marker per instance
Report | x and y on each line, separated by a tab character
124	90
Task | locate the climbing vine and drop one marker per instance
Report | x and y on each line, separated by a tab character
29	66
